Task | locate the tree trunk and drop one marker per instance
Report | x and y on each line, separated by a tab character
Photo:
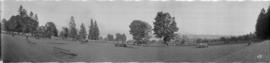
165	39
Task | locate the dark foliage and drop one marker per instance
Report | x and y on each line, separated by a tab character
165	26
72	28
262	26
120	37
110	37
21	22
93	31
51	29
139	30
82	32
64	32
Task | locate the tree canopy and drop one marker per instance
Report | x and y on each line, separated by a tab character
110	37
51	29
120	37
64	32
21	22
165	26
139	30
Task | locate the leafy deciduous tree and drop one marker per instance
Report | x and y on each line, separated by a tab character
165	26
51	29
110	37
64	32
139	30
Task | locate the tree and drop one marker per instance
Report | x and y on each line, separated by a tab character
165	26
22	22
51	29
100	38
31	24
124	38
96	31
64	32
118	37
262	26
139	30
110	37
36	17
82	32
41	31
22	11
31	14
91	31
4	24
72	28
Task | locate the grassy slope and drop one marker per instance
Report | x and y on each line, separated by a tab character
107	52
250	53
18	49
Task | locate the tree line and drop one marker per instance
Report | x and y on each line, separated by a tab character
22	22
164	28
28	23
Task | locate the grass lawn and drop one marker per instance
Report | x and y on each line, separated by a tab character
20	49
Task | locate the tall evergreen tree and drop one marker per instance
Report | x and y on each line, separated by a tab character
72	28
93	31
22	11
90	34
82	32
96	31
262	27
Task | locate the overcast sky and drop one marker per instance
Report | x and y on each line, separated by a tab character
215	18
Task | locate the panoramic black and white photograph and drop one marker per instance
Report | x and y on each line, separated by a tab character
217	31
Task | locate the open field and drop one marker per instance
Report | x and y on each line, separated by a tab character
20	49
